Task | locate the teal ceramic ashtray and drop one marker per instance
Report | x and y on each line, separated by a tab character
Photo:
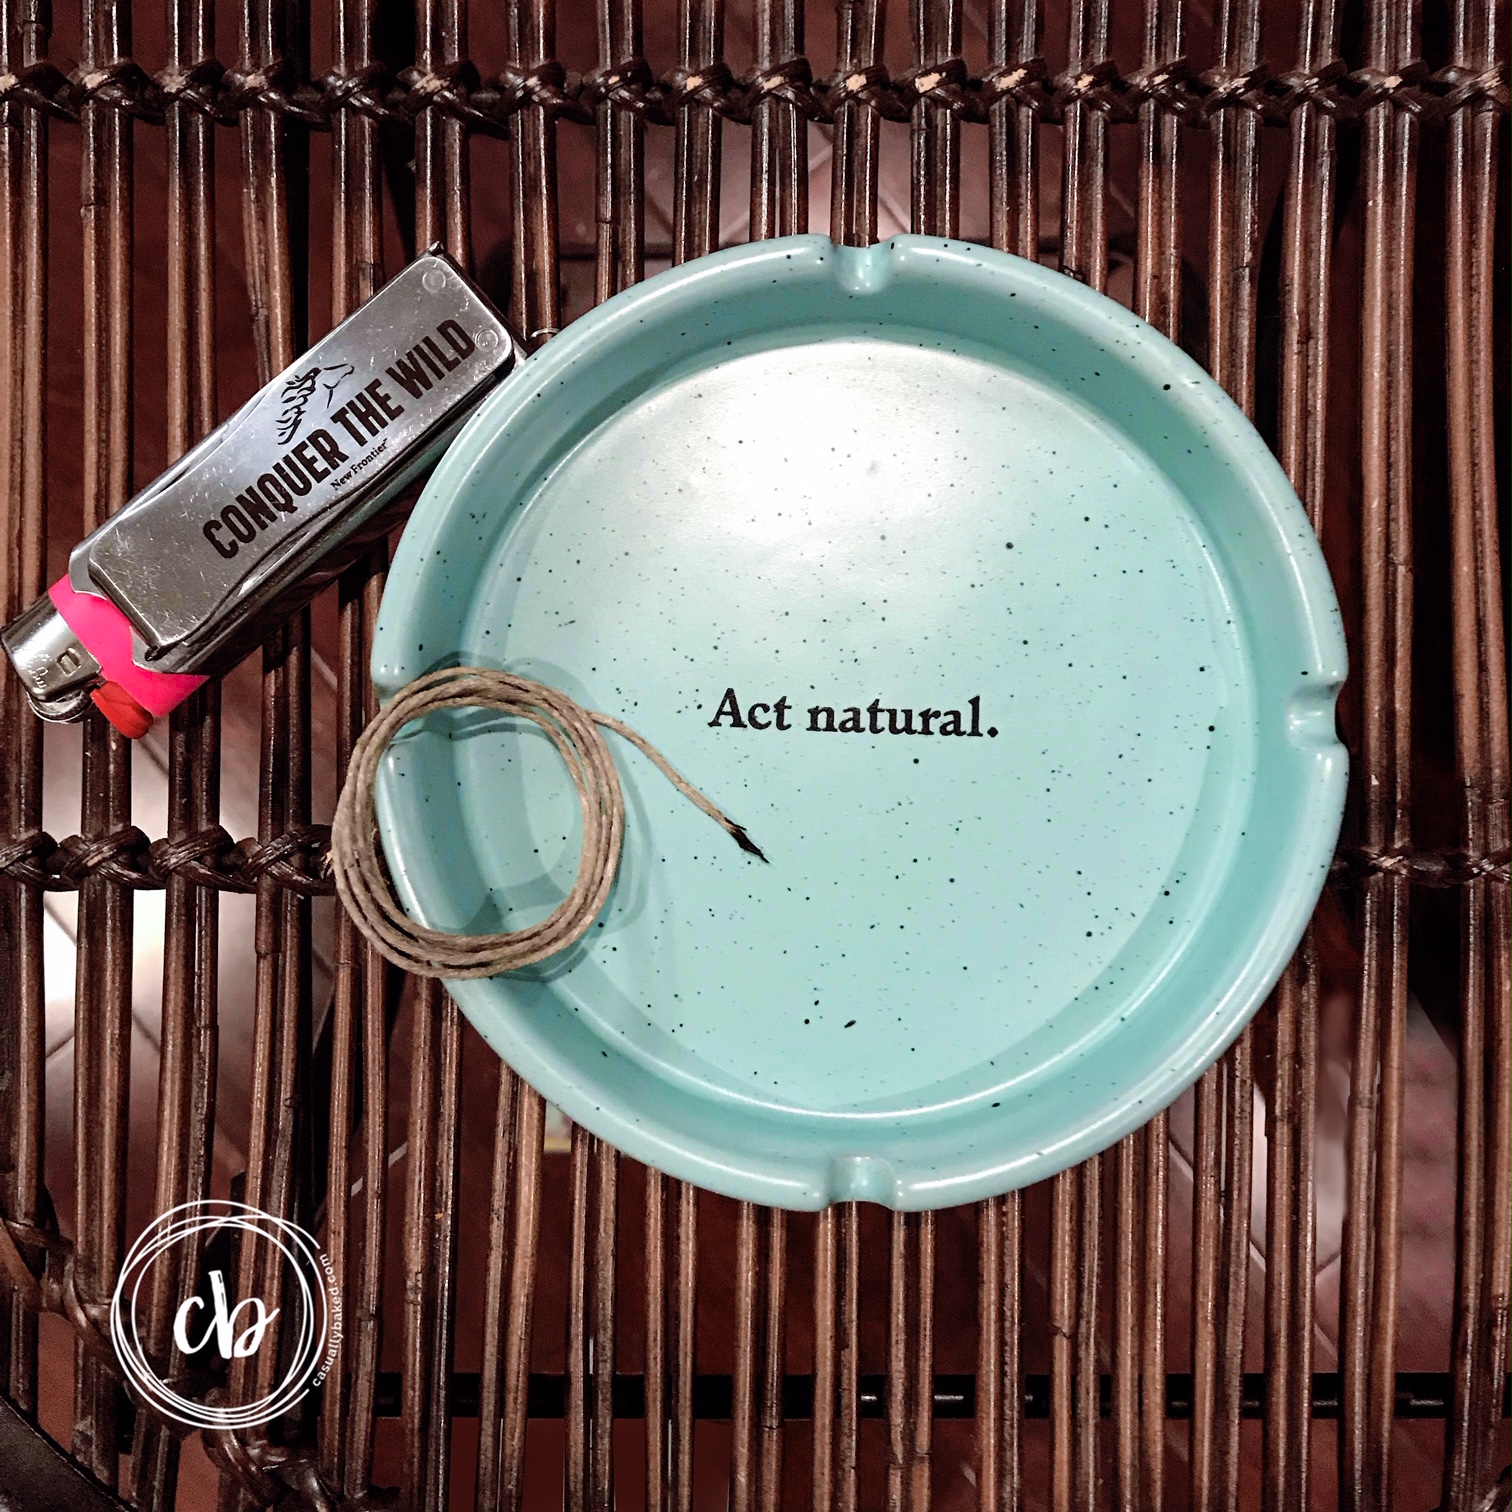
986	613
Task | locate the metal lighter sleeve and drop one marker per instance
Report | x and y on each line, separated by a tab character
189	575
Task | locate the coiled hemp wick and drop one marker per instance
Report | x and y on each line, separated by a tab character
357	864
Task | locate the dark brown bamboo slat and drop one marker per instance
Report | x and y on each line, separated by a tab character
1013	206
1286	1280
999	1348
272	178
1368	1291
23	515
536	309
621	251
429	1255
357	990
441	201
1205	1228
1157	262
335	1401
1479	1343
511	1167
848	1426
601	1379
495	1298
1011	1389
1086	1376
1084	256
189	1043
779	132
1233	276
239	1375
102	1037
443	1255
620	262
356	226
1306	1234
1062	1319
1152	1360
857	136
282	1009
575	1419
1282	1278
1305	287
522	1278
1291	1208
669	1344
1127	1192
695	221
1084	236
1220	1264
743	1382
826	1336
1233	223
1157	298
283	1021
922	1391
187	1076
774	1364
446	43
536	300
936	176
364	1304
1234	1265
15	1316
590	1323
684	1347
897	1359
655	1369
934	136
989	1369
1013	155
695	184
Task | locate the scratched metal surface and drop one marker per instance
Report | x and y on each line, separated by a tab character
1226	1309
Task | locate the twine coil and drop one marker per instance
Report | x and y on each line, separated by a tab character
356	859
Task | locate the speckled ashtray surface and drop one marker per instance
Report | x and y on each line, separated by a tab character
993	621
